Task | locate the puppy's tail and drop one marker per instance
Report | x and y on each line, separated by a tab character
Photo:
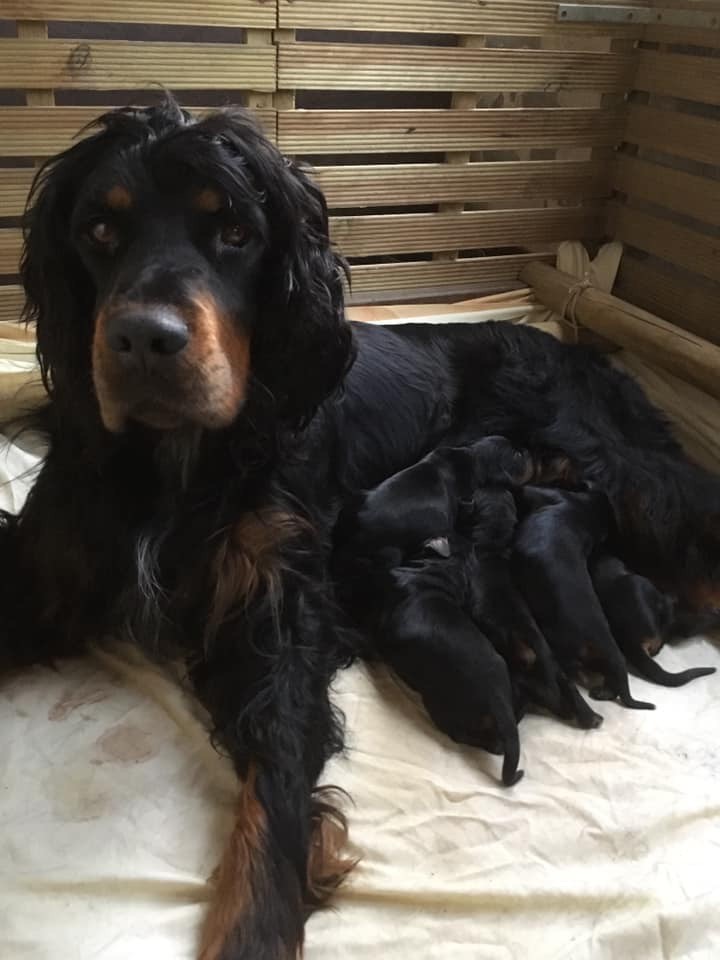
617	687
652	671
510	738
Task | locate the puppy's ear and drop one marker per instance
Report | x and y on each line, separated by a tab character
303	346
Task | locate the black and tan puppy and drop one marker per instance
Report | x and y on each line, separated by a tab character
640	617
499	608
415	614
553	543
422	502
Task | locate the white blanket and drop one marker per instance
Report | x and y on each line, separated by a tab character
114	810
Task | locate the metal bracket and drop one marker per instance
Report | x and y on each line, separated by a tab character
659	16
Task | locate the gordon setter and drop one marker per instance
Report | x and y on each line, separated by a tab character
192	338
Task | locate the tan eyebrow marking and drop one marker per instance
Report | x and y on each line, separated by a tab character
208	200
118	198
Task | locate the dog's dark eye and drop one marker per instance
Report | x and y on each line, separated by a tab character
103	234
234	235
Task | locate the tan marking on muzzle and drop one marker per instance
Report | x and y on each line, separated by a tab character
206	381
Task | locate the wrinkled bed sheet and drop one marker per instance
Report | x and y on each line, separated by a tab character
114	808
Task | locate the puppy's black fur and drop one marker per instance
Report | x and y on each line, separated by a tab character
415	612
640	617
501	611
553	544
422	501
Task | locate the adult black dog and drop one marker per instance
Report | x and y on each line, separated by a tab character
192	337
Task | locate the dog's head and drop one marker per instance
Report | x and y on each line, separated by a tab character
177	267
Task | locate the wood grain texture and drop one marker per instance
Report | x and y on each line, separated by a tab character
437	16
673	132
681	297
679	75
403	131
346	66
447	275
687	248
10	247
697	197
122	65
11	302
42	131
14	187
221	13
384	185
373	235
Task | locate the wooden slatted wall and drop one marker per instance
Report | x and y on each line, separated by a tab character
456	140
667	179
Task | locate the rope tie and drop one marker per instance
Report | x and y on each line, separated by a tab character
569	306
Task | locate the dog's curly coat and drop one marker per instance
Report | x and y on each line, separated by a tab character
192	338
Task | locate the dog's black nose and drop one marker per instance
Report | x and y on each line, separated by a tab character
147	334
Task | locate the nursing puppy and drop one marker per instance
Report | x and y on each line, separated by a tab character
640	617
422	502
498	607
415	614
554	541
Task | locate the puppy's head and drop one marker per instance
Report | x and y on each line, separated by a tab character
173	266
496	460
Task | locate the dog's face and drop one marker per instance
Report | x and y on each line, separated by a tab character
175	262
178	266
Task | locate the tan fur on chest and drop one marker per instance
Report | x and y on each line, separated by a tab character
250	560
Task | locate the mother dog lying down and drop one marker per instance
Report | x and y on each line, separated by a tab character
192	338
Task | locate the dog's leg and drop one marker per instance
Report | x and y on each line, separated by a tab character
265	680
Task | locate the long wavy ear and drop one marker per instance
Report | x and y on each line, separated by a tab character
59	293
304	343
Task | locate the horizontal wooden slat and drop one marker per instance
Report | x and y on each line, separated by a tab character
121	65
10	247
43	131
683	298
693	251
221	13
380	185
435	16
14	186
697	197
675	133
345	66
374	235
692	36
11	302
679	75
424	274
403	131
